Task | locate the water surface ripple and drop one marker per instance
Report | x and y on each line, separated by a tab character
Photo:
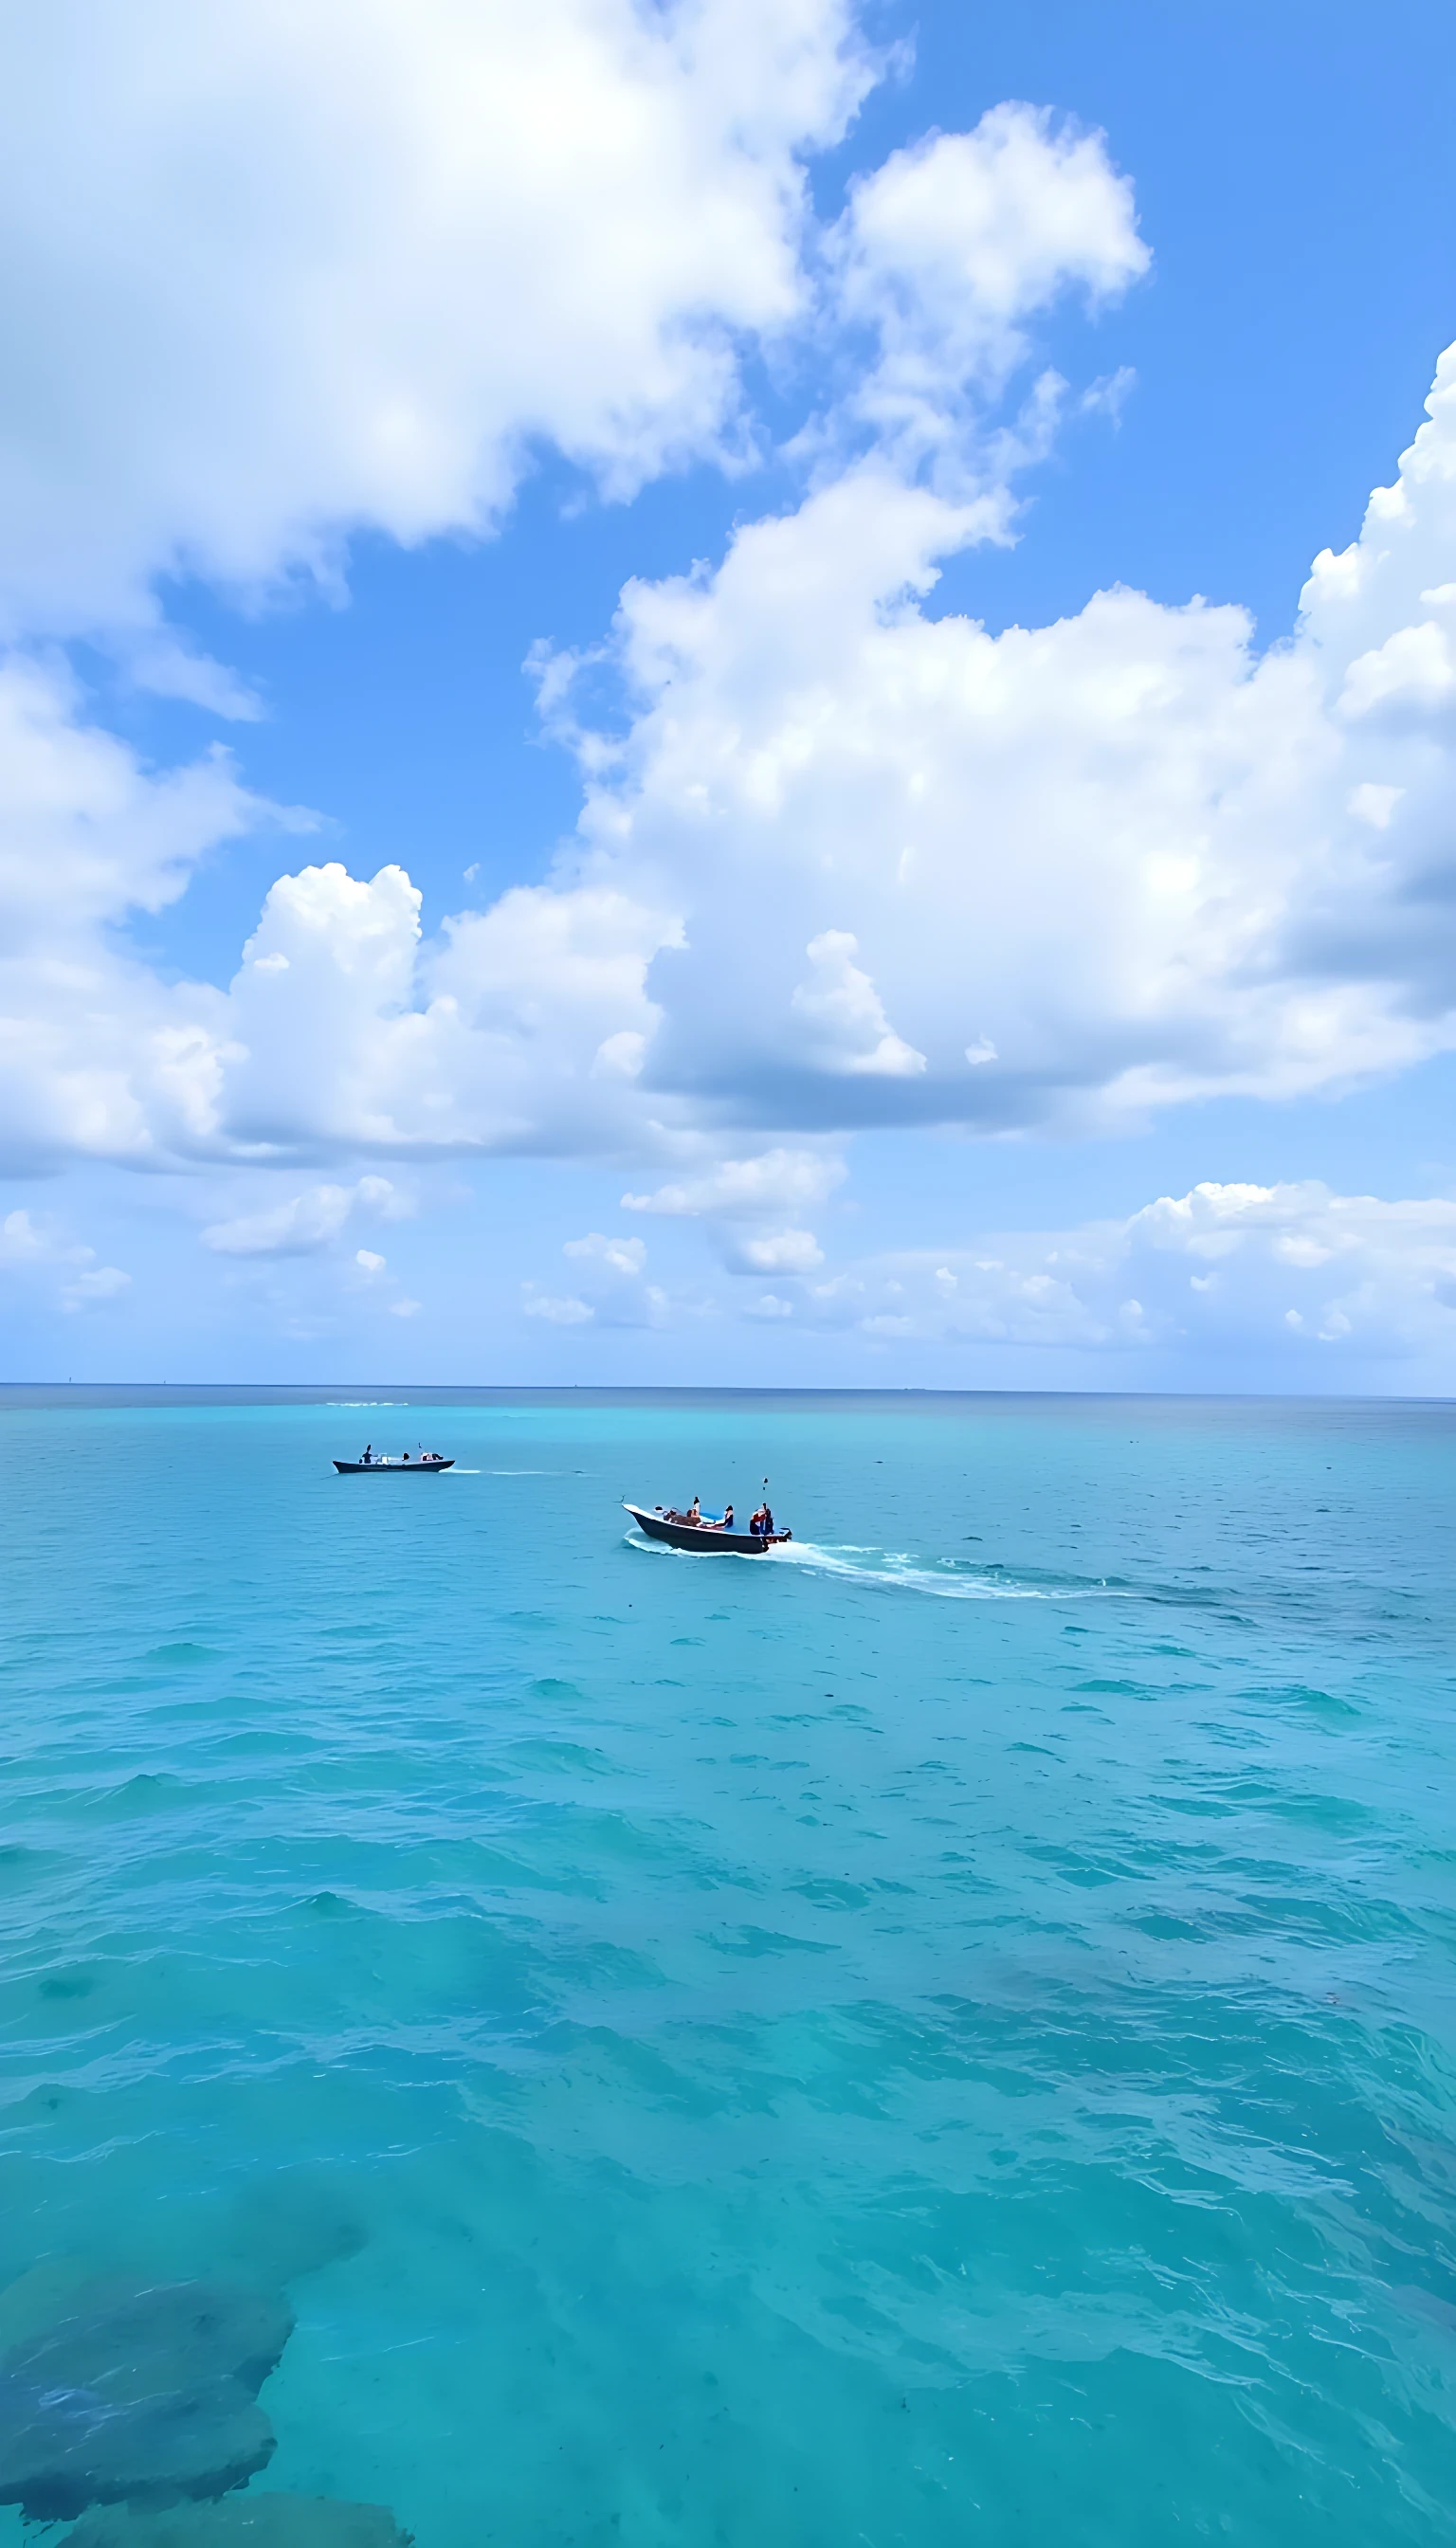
945	2034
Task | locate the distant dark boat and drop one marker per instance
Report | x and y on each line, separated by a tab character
700	1541
396	1468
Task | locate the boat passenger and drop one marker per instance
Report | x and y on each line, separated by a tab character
368	1455
693	1514
725	1525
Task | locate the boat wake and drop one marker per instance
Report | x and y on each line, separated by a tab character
949	1578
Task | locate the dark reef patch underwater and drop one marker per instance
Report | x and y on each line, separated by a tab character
139	2396
137	2409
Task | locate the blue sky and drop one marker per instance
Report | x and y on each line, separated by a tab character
642	484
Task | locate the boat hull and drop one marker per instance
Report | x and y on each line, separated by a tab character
391	1468
696	1541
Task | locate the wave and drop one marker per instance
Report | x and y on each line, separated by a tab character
951	1579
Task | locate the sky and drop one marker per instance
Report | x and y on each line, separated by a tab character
737	693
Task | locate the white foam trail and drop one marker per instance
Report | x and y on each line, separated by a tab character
894	1573
900	1573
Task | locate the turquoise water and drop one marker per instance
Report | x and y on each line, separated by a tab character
942	2035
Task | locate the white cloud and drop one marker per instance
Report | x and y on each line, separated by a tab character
282	274
780	1251
483	1039
769	1306
33	1253
303	1223
297	1228
1374	804
1414	669
86	1291
849	864
85	832
615	1255
1089	869
1222	1270
613	1290
845	1014
620	1055
558	1311
20	1243
426	246
97	1055
950	246
779	1180
1066	874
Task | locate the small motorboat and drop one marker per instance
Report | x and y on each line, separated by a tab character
428	1465
701	1538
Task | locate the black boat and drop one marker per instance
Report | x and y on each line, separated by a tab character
423	1468
702	1539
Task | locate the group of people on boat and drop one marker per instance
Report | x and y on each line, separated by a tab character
427	1458
761	1524
695	1518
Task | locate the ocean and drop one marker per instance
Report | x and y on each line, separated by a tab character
941	2034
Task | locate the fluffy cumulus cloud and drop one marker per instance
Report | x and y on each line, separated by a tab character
1223	1271
301	1224
851	865
1062	875
618	1255
39	1260
780	1251
776	1181
558	1310
346	271
947	251
96	1057
611	1291
280	273
843	860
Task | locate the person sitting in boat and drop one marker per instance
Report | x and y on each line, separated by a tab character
725	1525
759	1522
368	1461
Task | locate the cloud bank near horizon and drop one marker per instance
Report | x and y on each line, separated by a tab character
1294	1279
